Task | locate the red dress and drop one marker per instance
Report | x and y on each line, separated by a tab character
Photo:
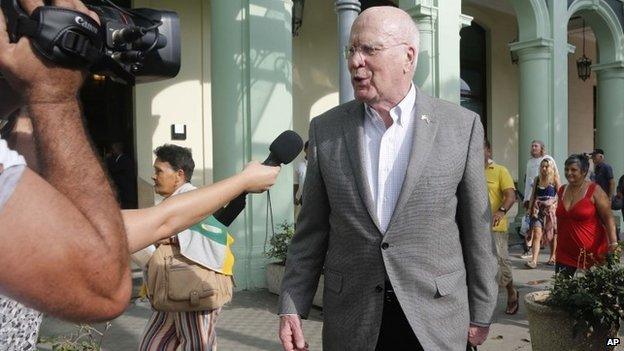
581	239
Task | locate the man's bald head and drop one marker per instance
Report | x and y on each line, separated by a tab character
382	55
396	23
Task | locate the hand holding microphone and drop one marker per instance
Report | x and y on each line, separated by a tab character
259	177
283	149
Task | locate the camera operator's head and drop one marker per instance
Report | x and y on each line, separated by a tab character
172	168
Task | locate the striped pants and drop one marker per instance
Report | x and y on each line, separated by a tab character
181	331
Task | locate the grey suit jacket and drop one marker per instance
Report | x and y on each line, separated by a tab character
439	254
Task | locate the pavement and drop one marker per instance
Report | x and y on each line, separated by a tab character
249	321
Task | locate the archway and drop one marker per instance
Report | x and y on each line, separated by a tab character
609	71
473	70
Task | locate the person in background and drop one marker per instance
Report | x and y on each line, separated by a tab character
121	169
502	195
603	173
543	227
619	199
586	229
538	153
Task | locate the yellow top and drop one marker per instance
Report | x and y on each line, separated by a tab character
498	180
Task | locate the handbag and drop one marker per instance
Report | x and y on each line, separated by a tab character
617	203
177	284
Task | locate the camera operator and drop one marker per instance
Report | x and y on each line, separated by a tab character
64	244
70	258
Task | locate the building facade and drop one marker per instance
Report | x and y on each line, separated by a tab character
245	78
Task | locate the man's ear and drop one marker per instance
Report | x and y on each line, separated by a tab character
181	175
412	56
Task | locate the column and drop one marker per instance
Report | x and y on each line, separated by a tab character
439	23
251	57
610	113
425	14
558	148
347	11
534	105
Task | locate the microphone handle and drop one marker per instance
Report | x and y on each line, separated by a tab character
228	214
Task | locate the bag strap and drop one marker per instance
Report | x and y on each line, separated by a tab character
63	36
269	217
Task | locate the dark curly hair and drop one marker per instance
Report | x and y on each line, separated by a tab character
581	160
178	157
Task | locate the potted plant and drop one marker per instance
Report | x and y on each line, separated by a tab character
581	312
277	251
84	338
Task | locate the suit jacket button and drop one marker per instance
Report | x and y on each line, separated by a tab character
385	246
378	288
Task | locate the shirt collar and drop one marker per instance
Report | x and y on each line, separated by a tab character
183	188
400	113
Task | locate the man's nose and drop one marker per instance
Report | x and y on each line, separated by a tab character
357	60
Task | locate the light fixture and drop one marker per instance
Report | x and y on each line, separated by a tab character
583	64
297	16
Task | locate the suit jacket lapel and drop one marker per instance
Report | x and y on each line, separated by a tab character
353	131
425	128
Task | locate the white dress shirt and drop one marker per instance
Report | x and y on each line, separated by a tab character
387	153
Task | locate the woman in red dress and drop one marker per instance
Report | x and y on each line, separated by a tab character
586	229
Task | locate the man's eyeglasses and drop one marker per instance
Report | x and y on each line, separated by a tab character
366	50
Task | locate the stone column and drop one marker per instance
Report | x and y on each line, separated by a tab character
425	14
558	148
534	103
347	11
439	23
251	57
610	113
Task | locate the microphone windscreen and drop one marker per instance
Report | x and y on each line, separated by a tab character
286	146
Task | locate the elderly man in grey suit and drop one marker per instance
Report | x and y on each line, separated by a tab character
395	210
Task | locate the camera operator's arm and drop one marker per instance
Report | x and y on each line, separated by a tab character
65	249
176	213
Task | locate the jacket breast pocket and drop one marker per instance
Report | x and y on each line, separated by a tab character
449	283
333	281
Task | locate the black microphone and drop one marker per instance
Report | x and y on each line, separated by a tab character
283	149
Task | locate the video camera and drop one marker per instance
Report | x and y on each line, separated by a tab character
129	45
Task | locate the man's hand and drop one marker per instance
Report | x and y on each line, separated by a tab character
35	78
291	333
477	334
496	217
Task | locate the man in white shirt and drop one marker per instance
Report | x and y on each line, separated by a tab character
395	210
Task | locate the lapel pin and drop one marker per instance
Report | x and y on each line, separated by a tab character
425	118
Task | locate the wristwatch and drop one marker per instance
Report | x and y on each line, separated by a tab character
503	209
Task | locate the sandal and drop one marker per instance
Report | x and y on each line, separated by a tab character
530	264
551	262
513	305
